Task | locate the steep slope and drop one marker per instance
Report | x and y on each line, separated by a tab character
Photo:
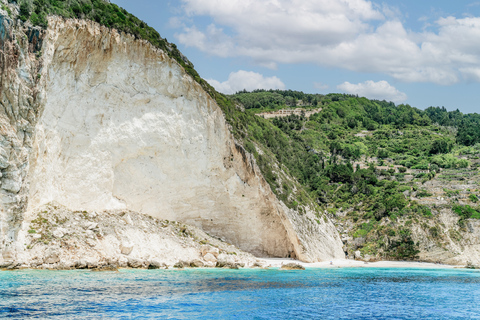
119	125
400	183
20	107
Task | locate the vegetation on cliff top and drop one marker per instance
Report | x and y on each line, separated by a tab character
109	15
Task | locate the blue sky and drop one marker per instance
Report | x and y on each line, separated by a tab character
424	52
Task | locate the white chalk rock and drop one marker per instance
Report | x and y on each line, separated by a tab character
52	257
126	248
209	258
205	249
58	233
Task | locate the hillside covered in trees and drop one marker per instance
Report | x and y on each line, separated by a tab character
369	158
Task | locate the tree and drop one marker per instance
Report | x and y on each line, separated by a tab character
441	146
24	11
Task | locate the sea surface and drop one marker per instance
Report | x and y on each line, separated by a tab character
343	293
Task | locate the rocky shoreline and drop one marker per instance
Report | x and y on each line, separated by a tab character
57	238
259	264
130	264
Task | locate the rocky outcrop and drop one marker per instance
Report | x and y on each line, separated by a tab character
288	112
114	124
292	266
59	238
20	106
448	240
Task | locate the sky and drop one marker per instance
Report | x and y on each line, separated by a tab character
422	53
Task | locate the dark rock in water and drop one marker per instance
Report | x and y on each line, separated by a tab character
197	264
81	264
155	265
135	263
13	266
6	264
181	265
108	267
227	265
292	266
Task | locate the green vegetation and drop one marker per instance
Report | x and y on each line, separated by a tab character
467	212
355	153
423	193
320	151
274	99
404	248
473	198
467	124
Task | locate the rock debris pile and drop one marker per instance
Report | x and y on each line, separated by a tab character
58	238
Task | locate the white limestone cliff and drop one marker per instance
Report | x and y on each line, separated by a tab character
114	123
20	104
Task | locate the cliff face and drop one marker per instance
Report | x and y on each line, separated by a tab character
20	104
102	121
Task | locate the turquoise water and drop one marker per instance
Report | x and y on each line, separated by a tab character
347	293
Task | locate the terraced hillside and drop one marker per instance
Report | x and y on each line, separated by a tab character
399	184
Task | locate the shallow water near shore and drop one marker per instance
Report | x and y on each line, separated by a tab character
343	293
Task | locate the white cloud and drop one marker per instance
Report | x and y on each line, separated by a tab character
351	34
320	86
213	40
380	90
246	80
176	22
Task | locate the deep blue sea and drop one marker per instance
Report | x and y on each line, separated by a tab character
344	293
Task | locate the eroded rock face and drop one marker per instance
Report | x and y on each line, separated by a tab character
455	244
20	103
121	126
124	127
151	242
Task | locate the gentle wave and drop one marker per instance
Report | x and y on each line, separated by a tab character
344	293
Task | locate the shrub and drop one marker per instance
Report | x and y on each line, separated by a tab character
250	147
441	146
24	13
473	198
466	212
427	212
405	248
382	153
421	166
449	161
434	167
423	194
434	232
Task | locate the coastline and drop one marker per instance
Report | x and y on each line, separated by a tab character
344	263
267	263
275	263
